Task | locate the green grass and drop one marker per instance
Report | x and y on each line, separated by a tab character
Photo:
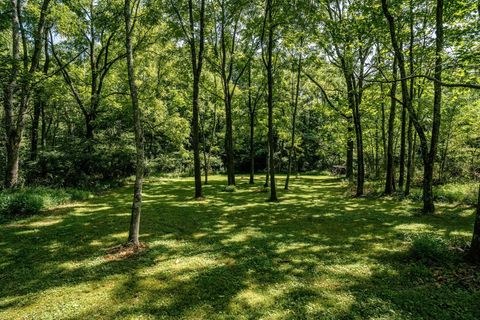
318	254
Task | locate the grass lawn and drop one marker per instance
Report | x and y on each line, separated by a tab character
316	254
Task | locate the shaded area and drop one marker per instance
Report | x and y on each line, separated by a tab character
318	253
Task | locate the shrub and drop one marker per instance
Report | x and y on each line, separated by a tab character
24	204
29	201
430	249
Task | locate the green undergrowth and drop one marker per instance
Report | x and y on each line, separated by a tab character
32	200
454	193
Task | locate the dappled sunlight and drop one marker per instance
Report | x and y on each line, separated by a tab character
231	253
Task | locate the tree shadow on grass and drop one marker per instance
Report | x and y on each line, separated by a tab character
315	254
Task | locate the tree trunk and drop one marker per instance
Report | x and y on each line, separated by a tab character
389	180
251	113
15	96
252	151
354	107
267	175
410	163
133	234
475	245
384	134
197	62
89	126
37	106
229	139
273	191
350	147
428	205
401	173
13	158
294	118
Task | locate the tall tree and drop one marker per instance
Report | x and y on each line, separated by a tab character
252	104
194	33
390	178
269	28
291	152
134	230
98	41
20	83
428	152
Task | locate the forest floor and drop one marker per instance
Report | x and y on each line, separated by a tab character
318	253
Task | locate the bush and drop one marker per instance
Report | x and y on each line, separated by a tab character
25	204
29	201
430	249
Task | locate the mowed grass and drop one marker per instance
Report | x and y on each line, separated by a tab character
316	254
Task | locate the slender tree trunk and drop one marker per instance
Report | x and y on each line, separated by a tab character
475	245
389	180
267	174
89	127
350	147
410	164
134	230
229	139
269	67
294	118
204	149
401	173
251	113
252	151
197	62
377	149
35	124
38	106
384	134
16	97
354	106
428	205
43	135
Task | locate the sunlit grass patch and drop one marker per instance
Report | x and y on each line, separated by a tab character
316	254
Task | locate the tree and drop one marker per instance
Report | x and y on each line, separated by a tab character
269	27
291	152
134	230
252	104
20	83
98	41
428	153
195	36
390	177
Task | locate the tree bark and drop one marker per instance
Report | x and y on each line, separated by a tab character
267	174
197	62
475	245
269	66
401	172
15	96
291	152
350	147
133	235
410	162
389	179
428	156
